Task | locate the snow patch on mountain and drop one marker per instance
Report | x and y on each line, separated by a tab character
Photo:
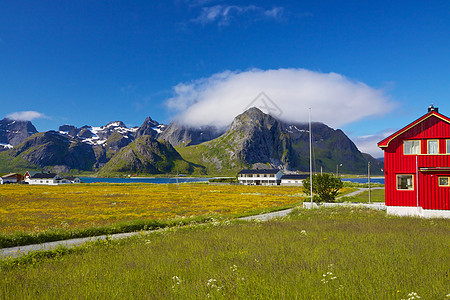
6	146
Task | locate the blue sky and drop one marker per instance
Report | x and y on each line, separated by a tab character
367	68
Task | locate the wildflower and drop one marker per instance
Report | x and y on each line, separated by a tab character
211	282
303	232
233	268
176	281
412	295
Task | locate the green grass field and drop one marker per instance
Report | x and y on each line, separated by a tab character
376	196
312	254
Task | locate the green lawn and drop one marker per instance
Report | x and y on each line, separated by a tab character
336	253
376	196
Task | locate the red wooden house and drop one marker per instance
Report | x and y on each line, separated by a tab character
417	167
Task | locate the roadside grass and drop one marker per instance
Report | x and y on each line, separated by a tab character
377	195
36	214
337	253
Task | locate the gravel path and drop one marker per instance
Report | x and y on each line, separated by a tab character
21	250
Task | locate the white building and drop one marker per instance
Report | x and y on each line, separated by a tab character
73	179
45	178
293	179
260	177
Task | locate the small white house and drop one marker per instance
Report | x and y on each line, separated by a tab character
293	179
260	177
73	179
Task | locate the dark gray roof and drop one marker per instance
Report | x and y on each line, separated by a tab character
43	176
71	178
295	176
261	171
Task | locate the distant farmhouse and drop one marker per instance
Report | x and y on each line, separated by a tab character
260	177
11	178
417	167
44	178
269	177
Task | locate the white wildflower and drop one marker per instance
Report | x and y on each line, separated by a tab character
176	281
412	296
211	282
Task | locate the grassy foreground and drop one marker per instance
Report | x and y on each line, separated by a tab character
318	254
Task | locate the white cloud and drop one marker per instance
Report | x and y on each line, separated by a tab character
368	143
275	12
26	115
334	99
224	14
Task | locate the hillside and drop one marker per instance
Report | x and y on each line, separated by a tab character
51	149
146	156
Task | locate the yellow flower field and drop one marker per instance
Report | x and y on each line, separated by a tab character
35	208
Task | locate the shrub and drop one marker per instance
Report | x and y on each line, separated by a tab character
326	186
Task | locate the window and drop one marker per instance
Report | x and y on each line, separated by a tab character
433	146
444	181
448	147
405	182
411	147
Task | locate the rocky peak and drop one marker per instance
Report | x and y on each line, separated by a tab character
179	134
13	132
150	127
259	138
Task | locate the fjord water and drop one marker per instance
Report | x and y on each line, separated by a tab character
143	180
193	179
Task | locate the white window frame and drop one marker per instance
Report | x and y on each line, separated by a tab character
409	188
428	146
447	148
411	147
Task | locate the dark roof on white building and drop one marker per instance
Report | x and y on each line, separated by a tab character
43	176
260	171
295	176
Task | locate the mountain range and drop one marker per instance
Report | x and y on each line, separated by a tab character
253	140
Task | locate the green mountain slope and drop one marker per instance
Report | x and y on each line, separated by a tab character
147	156
52	151
9	164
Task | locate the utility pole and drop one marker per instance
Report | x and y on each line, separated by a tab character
368	177
177	178
310	157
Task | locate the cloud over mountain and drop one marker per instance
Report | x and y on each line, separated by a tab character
26	115
288	93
